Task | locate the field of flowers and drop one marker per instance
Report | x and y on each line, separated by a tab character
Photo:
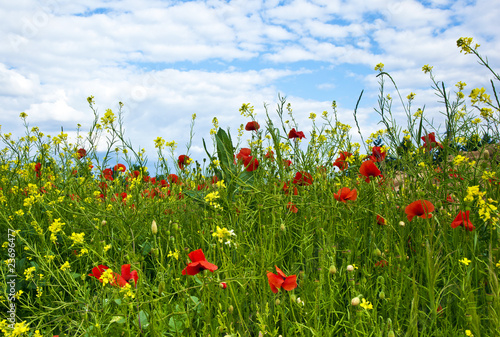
295	235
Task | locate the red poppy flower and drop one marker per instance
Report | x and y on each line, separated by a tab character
281	281
296	134
292	208
341	161
421	208
462	219
380	220
244	152
381	263
269	155
450	199
287	163
430	141
369	169
303	178
81	153
128	275
119	168
252	126
108	174
345	193
183	160
250	163
198	263
215	179
97	271
377	154
38	166
172	178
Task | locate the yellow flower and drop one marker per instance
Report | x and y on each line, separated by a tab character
19	329
77	238
411	96
107	277
366	304
379	67
426	69
175	254
19	293
65	266
465	261
107	247
28	273
469	333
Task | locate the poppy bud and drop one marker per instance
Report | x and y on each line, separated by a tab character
332	269
350	267
230	309
282	227
161	287
103	223
377	252
381	295
154	228
278	301
223	285
175	226
391	334
355	301
293	298
486	154
401	223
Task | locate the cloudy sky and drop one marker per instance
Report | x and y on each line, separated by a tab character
166	60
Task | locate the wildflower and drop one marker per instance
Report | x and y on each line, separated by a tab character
183	160
77	238
430	141
119	168
469	333
98	271
198	263
421	208
65	266
223	285
28	273
378	154
366	304
172	178
462	219
381	220
379	67
341	162
355	301
296	134
223	233
345	194
292	208
154	227
302	178
465	261
19	329
280	280
426	68
250	163
127	275
369	169
174	254
252	126
80	153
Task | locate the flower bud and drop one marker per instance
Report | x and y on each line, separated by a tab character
332	269
223	285
401	223
154	228
355	301
381	295
377	252
230	309
278	301
103	223
350	267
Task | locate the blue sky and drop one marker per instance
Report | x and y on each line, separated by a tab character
166	60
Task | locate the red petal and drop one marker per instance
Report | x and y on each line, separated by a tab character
290	283
197	255
275	281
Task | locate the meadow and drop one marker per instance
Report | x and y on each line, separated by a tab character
290	234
